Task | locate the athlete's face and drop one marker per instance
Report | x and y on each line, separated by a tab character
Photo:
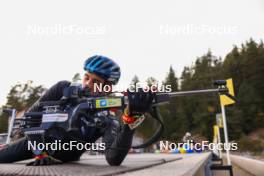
91	80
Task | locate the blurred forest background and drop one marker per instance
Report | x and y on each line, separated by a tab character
196	114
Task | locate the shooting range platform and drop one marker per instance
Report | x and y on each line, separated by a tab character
134	164
89	165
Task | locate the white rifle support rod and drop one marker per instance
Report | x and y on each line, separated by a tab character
11	124
226	135
219	141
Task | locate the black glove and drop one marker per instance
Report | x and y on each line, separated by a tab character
139	102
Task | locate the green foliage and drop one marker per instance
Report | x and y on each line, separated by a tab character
246	66
135	80
76	77
247	144
196	113
169	111
21	97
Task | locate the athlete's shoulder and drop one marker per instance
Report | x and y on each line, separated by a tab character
57	89
63	83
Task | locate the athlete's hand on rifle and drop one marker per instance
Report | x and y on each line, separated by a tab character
138	103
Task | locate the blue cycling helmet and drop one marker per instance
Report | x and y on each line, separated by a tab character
103	67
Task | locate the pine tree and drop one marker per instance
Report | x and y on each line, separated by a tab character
76	77
169	111
20	97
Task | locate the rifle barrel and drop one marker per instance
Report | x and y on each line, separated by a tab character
192	92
